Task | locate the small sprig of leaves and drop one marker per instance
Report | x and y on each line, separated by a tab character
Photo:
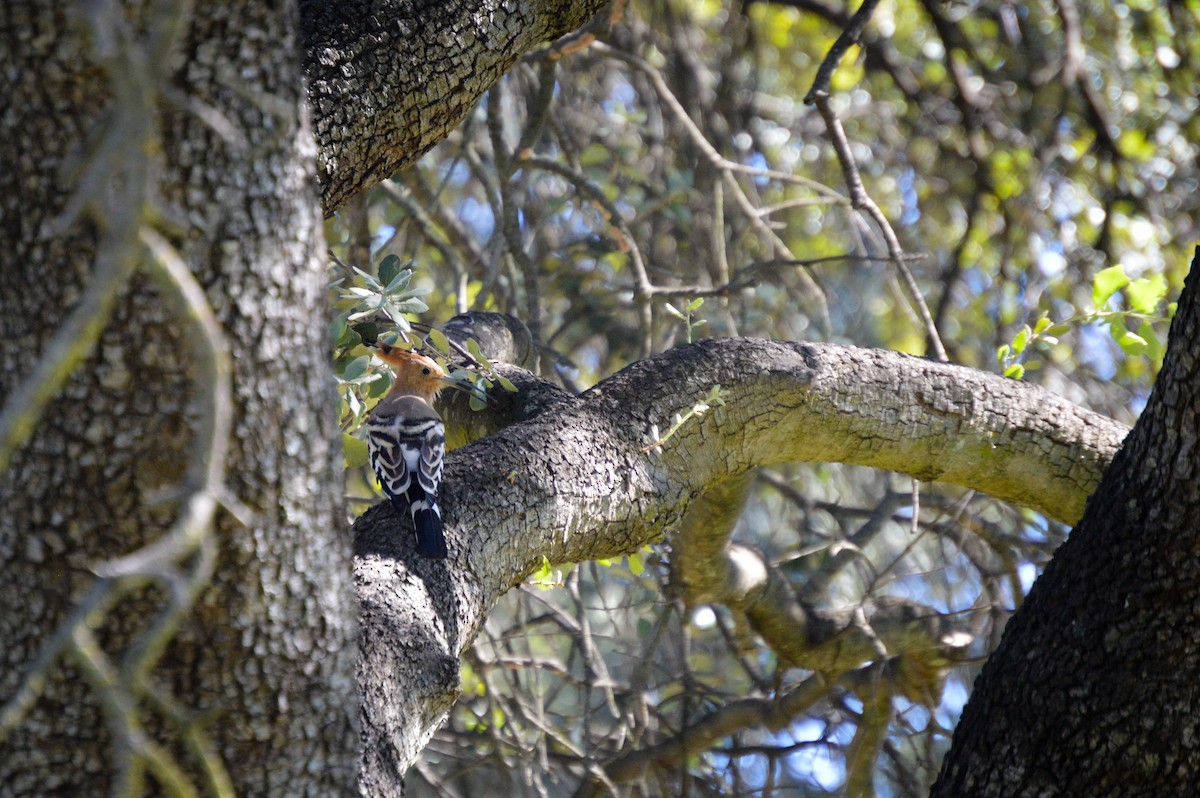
636	561
366	296
547	577
715	398
388	294
686	315
1143	297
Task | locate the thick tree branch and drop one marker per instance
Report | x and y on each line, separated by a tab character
195	110
707	568
389	80
574	483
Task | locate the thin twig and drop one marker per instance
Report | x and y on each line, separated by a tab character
745	277
206	473
73	342
699	736
118	160
135	749
727	169
861	200
849	36
509	221
642	289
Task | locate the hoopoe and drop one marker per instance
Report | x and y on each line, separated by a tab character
407	443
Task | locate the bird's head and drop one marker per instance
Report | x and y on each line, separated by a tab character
414	373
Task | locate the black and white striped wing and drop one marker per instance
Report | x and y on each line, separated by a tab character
407	441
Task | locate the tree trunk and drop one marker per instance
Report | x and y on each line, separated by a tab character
1093	688
202	117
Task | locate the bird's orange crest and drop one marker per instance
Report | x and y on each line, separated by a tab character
415	373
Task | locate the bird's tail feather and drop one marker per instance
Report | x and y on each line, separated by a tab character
430	540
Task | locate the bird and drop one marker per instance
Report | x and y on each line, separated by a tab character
406	440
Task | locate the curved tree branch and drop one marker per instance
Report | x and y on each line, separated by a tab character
574	483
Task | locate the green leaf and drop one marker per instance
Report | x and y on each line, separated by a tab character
389	268
337	329
636	564
1131	343
1154	347
695	303
1058	329
439	341
1016	371
506	384
369	279
1145	294
475	351
353	404
594	155
356	368
1002	353
1021	339
366	331
393	338
477	404
411	305
1042	325
399	282
1106	283
546	577
354	450
674	311
378	388
1136	145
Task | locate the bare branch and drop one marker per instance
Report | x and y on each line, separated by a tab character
733	717
848	37
861	200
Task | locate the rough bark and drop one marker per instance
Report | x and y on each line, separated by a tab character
388	80
110	118
1093	688
579	481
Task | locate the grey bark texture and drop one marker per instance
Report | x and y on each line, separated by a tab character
581	481
105	117
1093	688
388	80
